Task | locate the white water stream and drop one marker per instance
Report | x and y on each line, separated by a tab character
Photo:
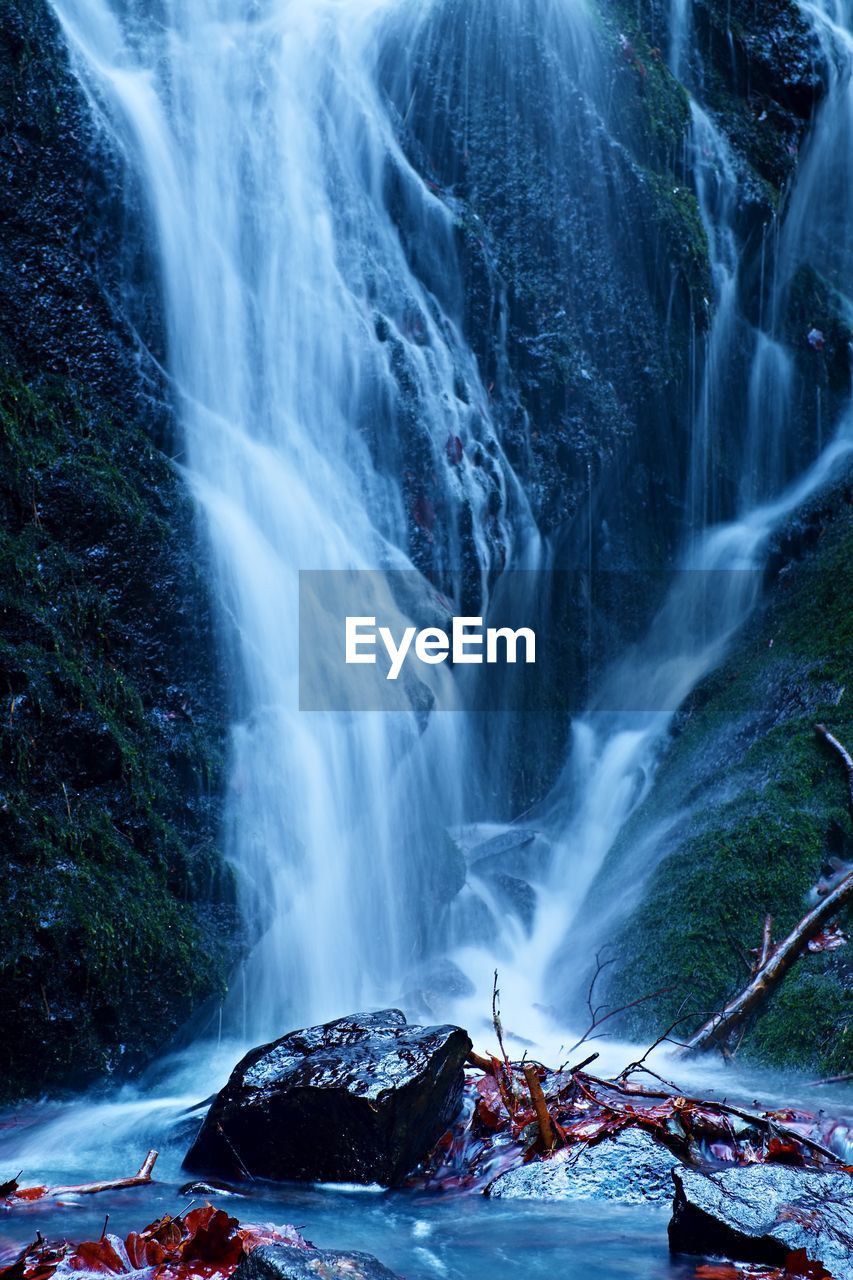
311	360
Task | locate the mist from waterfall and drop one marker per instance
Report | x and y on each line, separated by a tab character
319	362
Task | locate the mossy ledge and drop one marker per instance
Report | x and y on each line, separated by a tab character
118	912
760	811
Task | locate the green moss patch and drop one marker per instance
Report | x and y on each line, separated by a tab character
748	813
117	912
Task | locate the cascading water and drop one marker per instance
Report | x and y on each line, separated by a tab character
315	323
747	371
345	405
324	369
310	365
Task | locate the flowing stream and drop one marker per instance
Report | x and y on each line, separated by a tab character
312	299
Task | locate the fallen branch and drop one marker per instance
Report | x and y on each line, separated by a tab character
580	1066
766	944
140	1179
482	1064
716	1032
773	963
540	1106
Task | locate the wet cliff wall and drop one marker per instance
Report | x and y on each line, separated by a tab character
118	916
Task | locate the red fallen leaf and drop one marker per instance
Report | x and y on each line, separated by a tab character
790	1115
212	1238
100	1255
779	1152
30	1193
144	1253
204	1242
37	1262
718	1271
829	940
490	1109
799	1263
595	1129
698	1122
445	1142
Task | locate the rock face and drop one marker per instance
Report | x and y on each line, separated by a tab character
765	1212
632	1168
361	1099
286	1262
118	910
748	813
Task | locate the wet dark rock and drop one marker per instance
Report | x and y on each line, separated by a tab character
764	1212
517	896
206	1189
432	985
119	915
361	1099
286	1262
632	1168
516	853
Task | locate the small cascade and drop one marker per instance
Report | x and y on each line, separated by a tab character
310	186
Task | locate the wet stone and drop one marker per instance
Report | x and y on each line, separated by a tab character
361	1099
631	1168
286	1262
764	1212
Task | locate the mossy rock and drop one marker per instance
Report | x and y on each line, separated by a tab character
119	913
747	814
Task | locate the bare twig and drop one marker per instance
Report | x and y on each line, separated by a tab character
540	1106
600	966
639	1065
592	1032
140	1179
508	1087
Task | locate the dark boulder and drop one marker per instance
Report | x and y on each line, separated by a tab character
632	1168
361	1099
287	1262
763	1213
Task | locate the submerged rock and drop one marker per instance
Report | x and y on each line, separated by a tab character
361	1099
632	1168
286	1262
763	1213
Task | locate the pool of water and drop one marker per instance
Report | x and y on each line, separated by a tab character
417	1234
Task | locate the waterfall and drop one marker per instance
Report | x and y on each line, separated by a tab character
747	371
323	369
312	366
